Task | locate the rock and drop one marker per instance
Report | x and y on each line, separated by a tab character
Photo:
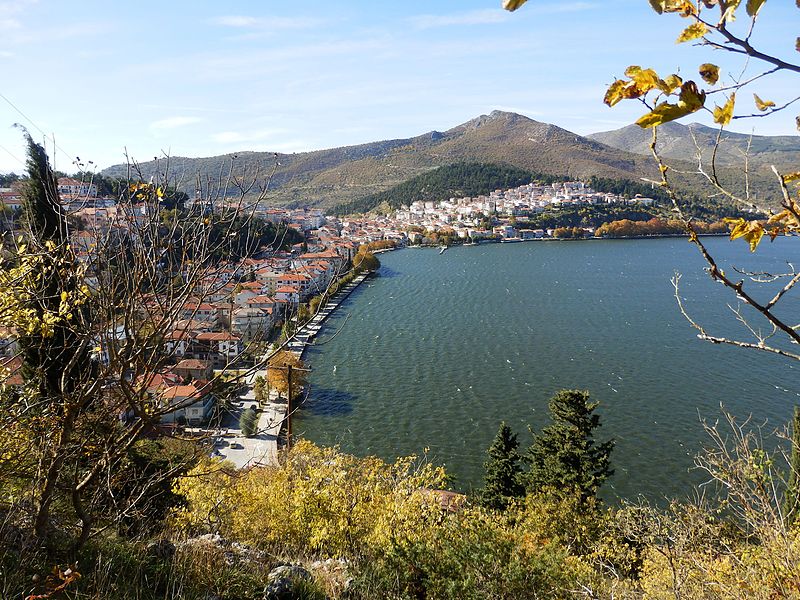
289	572
282	581
161	549
280	589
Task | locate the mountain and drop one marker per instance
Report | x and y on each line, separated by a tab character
328	178
677	141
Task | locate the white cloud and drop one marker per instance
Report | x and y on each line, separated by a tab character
268	23
9	10
173	123
475	17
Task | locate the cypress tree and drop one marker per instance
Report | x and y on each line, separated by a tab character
502	480
56	362
792	500
47	359
565	456
42	210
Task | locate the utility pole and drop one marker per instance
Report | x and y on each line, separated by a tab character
289	408
289	392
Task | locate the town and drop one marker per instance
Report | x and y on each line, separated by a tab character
248	306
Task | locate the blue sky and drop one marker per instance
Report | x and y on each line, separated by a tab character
197	78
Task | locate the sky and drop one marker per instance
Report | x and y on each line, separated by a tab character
104	80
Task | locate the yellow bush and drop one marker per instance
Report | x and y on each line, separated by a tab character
317	500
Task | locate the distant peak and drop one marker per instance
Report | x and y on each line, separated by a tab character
501	116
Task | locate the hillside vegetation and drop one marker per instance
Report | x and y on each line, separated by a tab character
327	178
453	181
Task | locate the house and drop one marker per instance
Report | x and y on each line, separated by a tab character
193	368
289	294
219	347
190	404
203	311
11	371
252	321
301	281
69	188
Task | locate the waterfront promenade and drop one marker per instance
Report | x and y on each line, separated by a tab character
262	448
306	334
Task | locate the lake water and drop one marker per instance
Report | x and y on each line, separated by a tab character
441	348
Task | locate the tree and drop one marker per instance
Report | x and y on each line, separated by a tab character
564	456
248	421
260	389
364	260
278	373
503	473
91	325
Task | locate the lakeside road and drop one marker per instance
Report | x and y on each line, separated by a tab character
306	334
262	448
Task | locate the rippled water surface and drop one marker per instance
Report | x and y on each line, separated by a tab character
440	349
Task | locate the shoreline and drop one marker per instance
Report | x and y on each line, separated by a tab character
306	334
552	239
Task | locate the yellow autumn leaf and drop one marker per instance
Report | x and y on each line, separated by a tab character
751	231
753	6
709	72
681	6
763	105
513	4
791	176
723	114
728	8
689	101
641	82
692	32
670	84
615	92
663	113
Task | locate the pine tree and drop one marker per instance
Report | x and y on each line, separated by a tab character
792	501
565	457
502	480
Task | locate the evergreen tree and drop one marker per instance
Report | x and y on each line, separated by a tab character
55	357
42	210
248	422
502	480
792	501
565	455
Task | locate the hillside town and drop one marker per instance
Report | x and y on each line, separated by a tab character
251	299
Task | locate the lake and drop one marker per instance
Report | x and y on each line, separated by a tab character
440	348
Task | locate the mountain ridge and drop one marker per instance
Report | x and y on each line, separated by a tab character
330	177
